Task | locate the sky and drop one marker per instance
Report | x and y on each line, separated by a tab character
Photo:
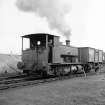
86	20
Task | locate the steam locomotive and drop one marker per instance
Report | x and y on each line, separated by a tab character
46	55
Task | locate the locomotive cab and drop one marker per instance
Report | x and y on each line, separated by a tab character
39	52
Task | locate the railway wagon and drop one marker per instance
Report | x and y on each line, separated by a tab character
86	54
103	57
100	56
46	55
96	56
91	56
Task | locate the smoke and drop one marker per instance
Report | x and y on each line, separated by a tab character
53	10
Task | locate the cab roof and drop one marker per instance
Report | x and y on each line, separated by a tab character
38	34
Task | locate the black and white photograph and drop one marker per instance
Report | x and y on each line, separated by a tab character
52	52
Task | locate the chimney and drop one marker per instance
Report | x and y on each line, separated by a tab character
67	42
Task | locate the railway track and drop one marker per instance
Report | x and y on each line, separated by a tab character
32	80
10	76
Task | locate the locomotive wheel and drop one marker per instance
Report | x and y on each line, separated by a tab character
57	71
60	71
44	74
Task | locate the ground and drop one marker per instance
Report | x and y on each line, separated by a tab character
76	91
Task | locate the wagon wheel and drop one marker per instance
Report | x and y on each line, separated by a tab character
97	69
87	68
